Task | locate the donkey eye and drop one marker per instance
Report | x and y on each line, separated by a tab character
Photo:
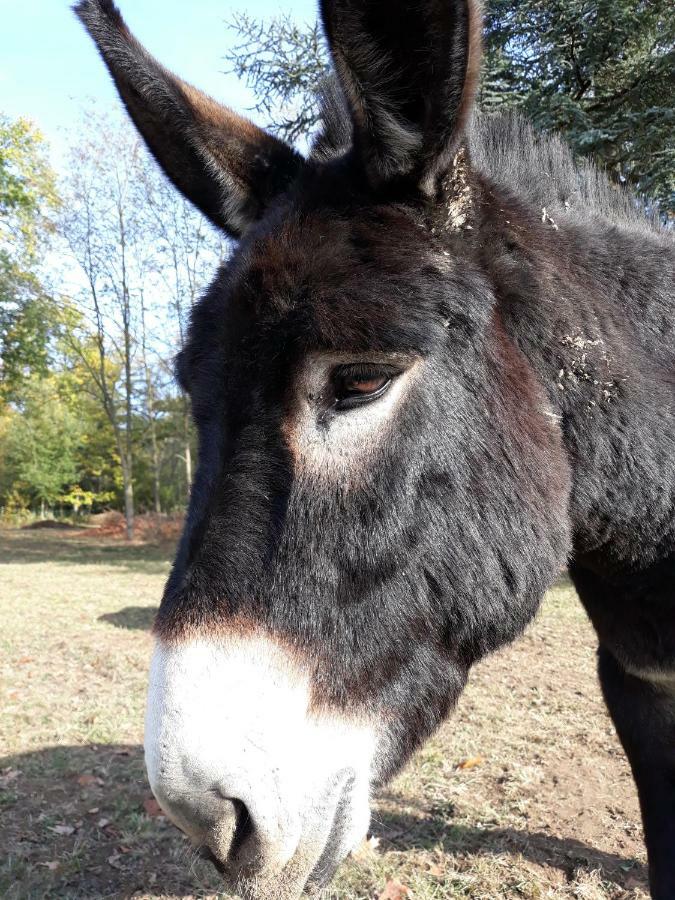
355	385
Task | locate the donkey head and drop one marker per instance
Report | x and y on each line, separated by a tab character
381	497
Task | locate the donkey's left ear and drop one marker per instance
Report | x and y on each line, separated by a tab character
409	71
227	166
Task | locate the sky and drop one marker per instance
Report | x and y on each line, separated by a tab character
49	68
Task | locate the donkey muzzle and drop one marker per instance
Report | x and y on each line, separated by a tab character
275	794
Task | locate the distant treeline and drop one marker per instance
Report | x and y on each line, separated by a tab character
98	270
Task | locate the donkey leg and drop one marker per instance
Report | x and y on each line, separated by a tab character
644	716
635	622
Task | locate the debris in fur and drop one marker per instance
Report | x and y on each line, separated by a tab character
589	363
458	191
554	417
547	219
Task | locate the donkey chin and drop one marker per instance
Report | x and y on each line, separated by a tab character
274	793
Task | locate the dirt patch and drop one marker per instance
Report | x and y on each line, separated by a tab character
147	527
111	525
50	525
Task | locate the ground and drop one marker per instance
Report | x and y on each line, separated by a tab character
524	793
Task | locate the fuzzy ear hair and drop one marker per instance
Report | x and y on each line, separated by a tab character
228	167
409	71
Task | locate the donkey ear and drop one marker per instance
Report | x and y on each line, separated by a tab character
228	167
409	72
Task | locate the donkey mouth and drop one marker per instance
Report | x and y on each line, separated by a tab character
283	887
208	854
319	867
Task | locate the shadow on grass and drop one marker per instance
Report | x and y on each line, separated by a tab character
74	824
139	618
425	831
60	547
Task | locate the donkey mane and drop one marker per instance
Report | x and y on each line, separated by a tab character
540	169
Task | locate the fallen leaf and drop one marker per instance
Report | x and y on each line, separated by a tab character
52	865
93	810
62	829
103	823
394	890
25	660
87	780
152	808
114	861
471	762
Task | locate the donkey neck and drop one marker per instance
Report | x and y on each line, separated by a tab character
589	302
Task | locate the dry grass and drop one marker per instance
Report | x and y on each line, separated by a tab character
549	811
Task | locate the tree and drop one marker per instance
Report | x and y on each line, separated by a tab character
284	63
132	258
40	448
28	200
102	226
98	462
600	71
143	255
187	250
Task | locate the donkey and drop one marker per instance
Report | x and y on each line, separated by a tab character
438	369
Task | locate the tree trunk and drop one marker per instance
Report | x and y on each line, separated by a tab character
128	500
152	418
156	473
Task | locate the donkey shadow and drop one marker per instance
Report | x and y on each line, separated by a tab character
421	829
79	822
133	618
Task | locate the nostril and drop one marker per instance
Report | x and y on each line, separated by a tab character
243	829
208	854
235	831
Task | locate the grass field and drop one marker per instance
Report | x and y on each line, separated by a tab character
523	794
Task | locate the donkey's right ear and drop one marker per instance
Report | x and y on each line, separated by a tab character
227	166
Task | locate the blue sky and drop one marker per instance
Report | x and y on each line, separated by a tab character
49	68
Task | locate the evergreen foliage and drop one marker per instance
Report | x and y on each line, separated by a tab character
601	72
